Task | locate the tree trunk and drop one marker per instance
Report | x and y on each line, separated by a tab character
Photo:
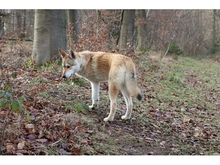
73	23
127	29
98	15
49	34
24	24
19	14
29	24
214	48
141	31
1	27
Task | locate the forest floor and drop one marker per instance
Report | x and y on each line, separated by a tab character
42	114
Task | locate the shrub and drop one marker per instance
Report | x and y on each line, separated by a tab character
6	97
174	49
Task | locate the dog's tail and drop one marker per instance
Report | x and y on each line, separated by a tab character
131	84
135	91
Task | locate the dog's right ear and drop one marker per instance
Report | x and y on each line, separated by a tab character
72	55
62	53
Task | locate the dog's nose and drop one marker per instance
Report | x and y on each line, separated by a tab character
63	76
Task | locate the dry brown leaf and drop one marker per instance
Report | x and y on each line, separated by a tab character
196	134
10	148
29	127
31	137
21	145
3	114
84	141
41	140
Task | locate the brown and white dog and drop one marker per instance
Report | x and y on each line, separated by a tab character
118	70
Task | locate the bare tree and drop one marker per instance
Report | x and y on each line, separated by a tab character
19	28
3	15
73	24
127	29
214	38
141	24
49	34
1	25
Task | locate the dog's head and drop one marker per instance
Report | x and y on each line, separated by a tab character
69	63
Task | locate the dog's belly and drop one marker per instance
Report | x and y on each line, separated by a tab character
94	78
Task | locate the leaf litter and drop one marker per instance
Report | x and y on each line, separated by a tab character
179	114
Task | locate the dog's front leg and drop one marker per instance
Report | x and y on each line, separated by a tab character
95	95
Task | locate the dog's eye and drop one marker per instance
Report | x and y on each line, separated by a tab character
67	67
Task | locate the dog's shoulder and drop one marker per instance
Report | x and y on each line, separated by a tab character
89	55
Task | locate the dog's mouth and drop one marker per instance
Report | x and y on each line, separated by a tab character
67	75
64	77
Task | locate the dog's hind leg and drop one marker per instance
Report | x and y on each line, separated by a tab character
129	103
95	95
113	92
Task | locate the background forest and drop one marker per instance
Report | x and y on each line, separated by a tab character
189	32
176	53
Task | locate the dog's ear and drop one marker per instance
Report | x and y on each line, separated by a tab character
62	53
72	55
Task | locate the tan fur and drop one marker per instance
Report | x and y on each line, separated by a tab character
97	67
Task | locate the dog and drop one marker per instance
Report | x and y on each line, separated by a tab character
97	67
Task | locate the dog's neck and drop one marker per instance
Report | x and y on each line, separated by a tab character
82	63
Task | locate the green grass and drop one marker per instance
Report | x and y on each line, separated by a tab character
179	113
187	90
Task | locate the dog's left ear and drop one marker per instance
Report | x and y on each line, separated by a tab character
72	55
62	53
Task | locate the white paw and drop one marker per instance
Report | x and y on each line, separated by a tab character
91	107
107	119
94	106
124	117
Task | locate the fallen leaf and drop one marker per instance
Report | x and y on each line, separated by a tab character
149	139
162	143
21	152
3	114
84	141
196	134
41	140
29	127
31	137
49	137
10	148
21	145
90	131
186	120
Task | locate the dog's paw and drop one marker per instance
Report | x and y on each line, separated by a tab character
124	117
91	107
107	119
94	106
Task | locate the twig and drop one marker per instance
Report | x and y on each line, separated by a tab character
166	52
147	13
53	144
22	46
